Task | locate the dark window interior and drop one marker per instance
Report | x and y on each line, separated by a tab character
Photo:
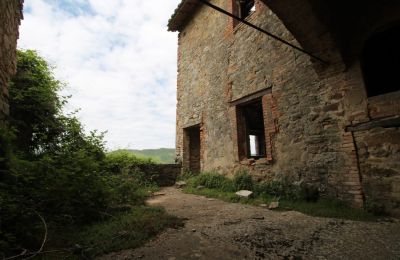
244	8
380	62
251	130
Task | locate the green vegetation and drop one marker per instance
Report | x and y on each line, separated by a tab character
54	177
161	155
302	198
127	230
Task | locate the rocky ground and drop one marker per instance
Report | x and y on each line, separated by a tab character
219	230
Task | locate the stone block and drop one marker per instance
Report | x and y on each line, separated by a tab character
244	194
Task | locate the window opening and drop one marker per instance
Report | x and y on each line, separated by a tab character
244	8
251	133
380	62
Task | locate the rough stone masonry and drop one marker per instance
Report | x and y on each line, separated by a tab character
10	17
246	101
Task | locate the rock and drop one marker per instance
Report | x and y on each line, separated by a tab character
258	217
264	205
244	193
180	184
274	205
200	187
210	199
193	230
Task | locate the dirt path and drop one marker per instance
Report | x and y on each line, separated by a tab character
219	230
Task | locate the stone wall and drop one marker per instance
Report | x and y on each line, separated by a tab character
202	76
379	156
305	128
310	109
167	173
10	16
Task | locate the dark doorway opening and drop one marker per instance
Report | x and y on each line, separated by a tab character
193	138
380	62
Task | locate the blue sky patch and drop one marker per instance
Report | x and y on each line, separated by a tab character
73	7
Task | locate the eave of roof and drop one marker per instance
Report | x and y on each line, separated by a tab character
183	13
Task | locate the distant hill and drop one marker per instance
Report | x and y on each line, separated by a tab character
161	155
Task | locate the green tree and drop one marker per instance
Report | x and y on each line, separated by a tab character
53	168
35	106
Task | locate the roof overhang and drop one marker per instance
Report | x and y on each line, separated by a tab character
183	13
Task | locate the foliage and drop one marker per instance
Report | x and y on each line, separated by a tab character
52	170
271	188
300	197
127	230
127	164
212	180
286	190
161	155
64	187
329	208
35	106
242	181
375	208
186	175
322	208
228	196
6	137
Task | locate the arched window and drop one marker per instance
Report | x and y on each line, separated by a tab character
380	62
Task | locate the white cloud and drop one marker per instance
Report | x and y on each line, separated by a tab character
119	62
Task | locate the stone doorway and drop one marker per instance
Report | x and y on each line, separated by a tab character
192	135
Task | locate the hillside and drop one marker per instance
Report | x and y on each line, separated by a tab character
160	155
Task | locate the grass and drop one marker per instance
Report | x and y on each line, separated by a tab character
124	230
126	225
321	208
328	208
128	230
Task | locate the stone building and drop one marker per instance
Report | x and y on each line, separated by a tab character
247	101
10	17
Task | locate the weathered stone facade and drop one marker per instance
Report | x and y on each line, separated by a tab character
10	17
320	126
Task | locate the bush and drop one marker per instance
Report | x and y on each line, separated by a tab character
213	180
186	175
242	181
309	193
127	164
272	188
52	169
125	190
289	191
125	231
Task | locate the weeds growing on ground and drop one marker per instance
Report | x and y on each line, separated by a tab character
302	198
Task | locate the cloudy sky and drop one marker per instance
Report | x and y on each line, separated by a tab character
118	60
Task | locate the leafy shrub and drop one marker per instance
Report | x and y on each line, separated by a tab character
52	169
186	175
213	180
126	190
127	164
6	137
125	231
242	181
375	208
289	191
309	193
272	188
